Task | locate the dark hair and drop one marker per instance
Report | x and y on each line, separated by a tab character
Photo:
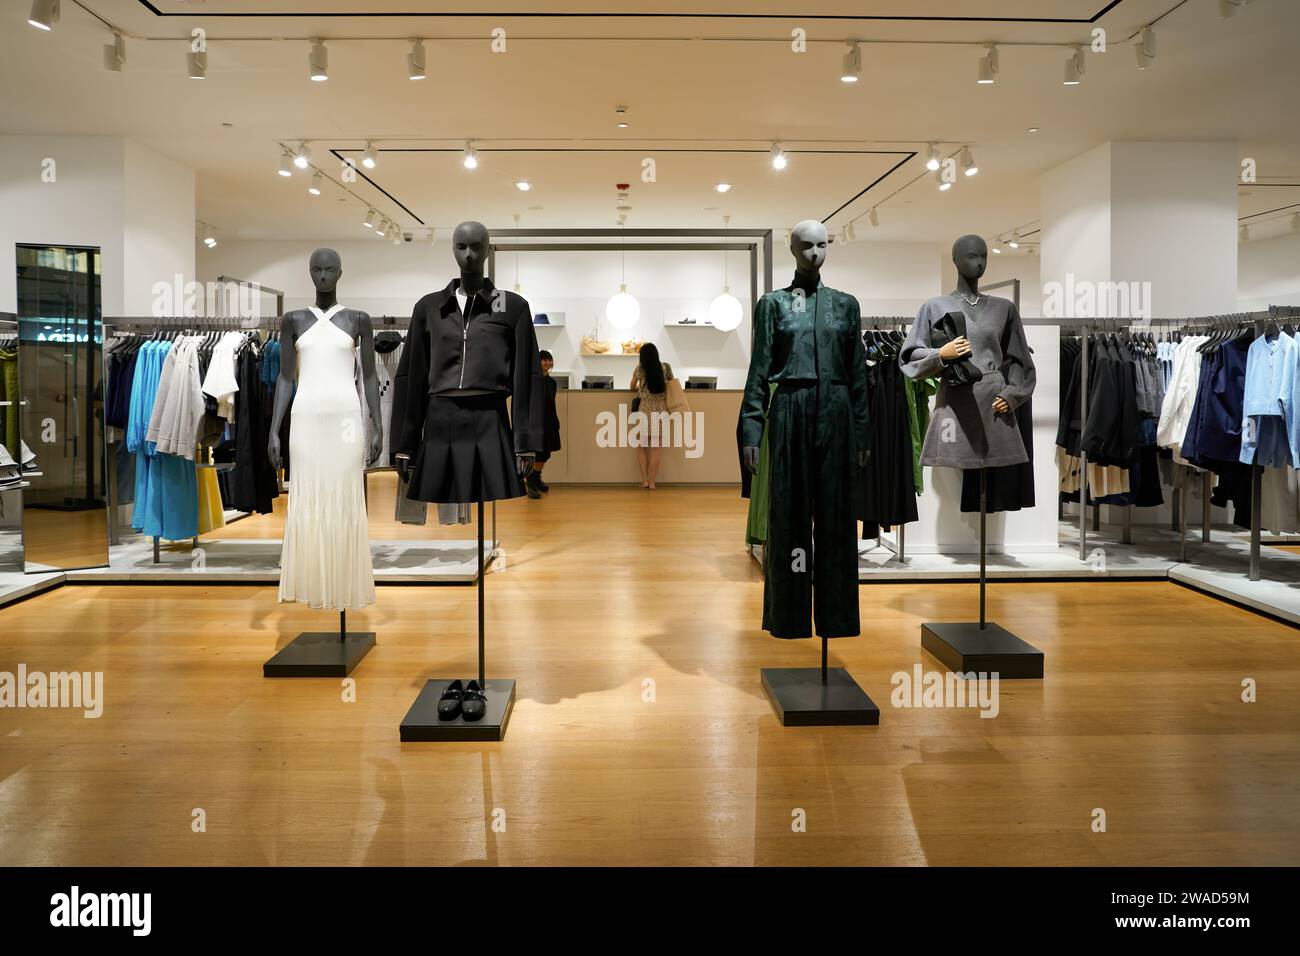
652	370
546	356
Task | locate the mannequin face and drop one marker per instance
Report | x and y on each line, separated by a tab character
970	254
469	243
326	267
808	243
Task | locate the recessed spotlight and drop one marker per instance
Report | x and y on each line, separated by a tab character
318	61
415	60
778	157
316	181
523	185
851	67
723	187
471	155
620	117
302	159
45	13
931	157
1033	129
370	158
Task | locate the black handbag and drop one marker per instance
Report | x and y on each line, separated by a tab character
962	371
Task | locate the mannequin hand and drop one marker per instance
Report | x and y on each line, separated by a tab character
957	348
273	451
524	464
751	459
1000	405
376	446
403	465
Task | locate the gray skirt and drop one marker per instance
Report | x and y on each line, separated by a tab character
965	432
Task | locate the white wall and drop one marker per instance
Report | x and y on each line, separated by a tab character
81	207
1268	273
136	206
1074	205
158	226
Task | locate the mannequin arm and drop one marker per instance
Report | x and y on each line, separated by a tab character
370	381
284	386
1018	361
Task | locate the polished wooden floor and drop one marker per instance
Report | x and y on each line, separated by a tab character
641	733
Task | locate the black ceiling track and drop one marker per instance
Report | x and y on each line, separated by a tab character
622	15
907	155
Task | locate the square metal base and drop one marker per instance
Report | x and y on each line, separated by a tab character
964	648
320	654
802	700
421	721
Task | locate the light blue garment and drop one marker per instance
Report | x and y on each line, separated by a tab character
1270	431
144	390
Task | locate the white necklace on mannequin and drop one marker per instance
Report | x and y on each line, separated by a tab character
973	302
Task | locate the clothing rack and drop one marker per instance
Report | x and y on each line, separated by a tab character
1192	325
889	323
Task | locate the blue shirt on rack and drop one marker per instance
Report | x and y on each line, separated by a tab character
1270	431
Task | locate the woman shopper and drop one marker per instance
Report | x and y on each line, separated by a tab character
534	484
650	382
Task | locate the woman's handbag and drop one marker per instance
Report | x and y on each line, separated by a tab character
677	397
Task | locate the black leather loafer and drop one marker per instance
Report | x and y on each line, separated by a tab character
474	703
449	704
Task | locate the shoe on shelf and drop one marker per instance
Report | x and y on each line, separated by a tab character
449	704
474	705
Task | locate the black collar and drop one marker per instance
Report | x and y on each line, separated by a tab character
449	293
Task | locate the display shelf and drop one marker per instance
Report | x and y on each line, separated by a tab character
630	355
7	404
554	320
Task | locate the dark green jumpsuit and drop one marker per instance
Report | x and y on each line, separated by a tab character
810	346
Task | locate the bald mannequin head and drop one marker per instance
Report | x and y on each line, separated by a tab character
469	243
808	241
325	267
970	254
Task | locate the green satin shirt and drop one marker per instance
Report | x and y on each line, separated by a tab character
805	338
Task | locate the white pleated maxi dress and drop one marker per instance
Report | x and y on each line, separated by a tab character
325	559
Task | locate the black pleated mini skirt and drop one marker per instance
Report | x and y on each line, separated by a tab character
467	445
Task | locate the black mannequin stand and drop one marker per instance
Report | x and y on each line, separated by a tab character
321	653
974	648
812	697
421	722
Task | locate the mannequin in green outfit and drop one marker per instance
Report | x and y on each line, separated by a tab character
808	343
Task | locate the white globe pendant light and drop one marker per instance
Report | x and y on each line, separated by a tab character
622	309
725	312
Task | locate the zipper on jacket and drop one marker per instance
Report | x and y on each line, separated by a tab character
464	346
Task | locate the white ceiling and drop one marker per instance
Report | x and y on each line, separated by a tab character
705	95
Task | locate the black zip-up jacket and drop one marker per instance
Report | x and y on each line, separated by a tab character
495	351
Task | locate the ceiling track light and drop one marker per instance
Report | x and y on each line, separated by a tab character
316	181
988	69
779	160
1145	48
995	248
382	228
302	158
196	64
370	158
1014	241
370	219
318	61
471	155
115	53
1229	8
931	157
944	185
286	164
45	13
1074	68
415	60
968	162
1244	233
873	217
620	117
1295	222
851	67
